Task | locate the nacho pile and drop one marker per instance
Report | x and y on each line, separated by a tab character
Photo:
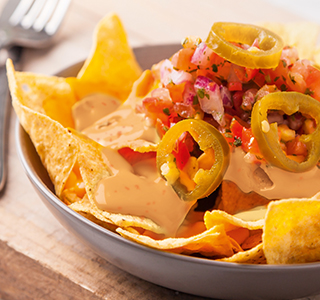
286	232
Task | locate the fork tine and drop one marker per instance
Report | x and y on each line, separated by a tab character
45	15
20	11
57	17
32	14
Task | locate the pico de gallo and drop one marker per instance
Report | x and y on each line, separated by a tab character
241	84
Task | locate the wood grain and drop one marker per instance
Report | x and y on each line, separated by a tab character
24	278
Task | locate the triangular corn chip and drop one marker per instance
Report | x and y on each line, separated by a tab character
292	231
211	243
103	71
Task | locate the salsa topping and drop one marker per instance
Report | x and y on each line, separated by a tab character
201	82
193	173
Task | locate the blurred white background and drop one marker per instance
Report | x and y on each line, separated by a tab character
309	9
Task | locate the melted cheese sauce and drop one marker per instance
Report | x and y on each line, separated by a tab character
269	181
138	190
120	128
135	190
91	108
254	214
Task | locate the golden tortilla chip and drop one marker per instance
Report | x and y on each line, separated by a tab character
91	162
47	136
211	243
254	239
49	95
252	256
218	217
301	35
292	231
232	200
111	68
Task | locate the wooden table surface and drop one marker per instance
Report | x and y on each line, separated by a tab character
39	259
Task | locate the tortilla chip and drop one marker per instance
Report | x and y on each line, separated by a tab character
252	256
111	68
301	35
90	159
292	231
254	239
232	200
47	136
316	196
218	217
211	243
48	95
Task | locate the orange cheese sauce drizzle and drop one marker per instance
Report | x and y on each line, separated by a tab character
268	181
138	189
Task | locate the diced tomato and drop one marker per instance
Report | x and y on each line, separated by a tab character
133	156
203	72
236	128
234	134
157	109
296	147
296	82
237	101
282	76
235	86
250	73
220	67
259	78
182	59
249	143
181	153
176	91
313	82
244	74
277	76
301	67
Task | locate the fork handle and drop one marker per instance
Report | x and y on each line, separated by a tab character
4	118
5	111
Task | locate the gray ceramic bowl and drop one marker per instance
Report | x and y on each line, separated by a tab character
202	277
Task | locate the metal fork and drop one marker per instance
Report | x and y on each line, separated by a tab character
23	23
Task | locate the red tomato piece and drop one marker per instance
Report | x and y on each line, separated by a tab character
236	128
295	147
235	86
182	59
157	109
133	156
249	143
313	82
181	153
